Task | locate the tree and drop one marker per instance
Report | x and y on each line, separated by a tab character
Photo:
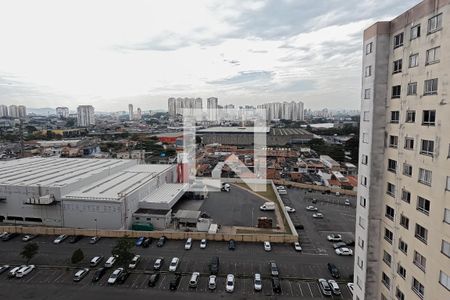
122	250
29	251
77	256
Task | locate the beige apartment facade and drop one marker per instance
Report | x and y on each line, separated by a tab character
402	246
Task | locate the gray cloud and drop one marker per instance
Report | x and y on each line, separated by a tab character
245	77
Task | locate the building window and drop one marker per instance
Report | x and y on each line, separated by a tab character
412	88
395	117
421	233
362	201
398	40
386	280
418	288
444	279
420	260
390	212
429	117
445	248
409	143
423	205
404	221
390	189
393	141
410	116
427	147
401	271
435	23
397	66
364	159
415	32
413	60
362	223
396	91
447	215
365	138
367	94
368	71
433	55
407	169
363	180
387	258
398	294
388	235
366	116
406	196
430	87
402	246
369	47
392	165
425	176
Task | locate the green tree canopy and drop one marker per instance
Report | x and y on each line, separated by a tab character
77	256
29	251
122	250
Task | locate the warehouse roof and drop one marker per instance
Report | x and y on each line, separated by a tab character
289	131
235	130
55	172
119	184
168	193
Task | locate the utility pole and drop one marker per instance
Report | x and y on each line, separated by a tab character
21	138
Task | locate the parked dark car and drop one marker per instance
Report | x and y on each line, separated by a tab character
350	243
333	270
214	265
9	236
123	277
231	245
147	242
299	226
75	238
174	281
161	241
153	279
276	286
99	274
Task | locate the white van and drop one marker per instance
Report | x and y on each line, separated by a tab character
194	280
110	262
267	206
188	244
96	260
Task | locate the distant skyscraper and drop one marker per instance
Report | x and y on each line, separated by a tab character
62	112
212	105
130	112
3	110
22	111
13	111
139	114
85	116
176	106
172	107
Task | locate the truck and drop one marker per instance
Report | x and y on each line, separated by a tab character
267	206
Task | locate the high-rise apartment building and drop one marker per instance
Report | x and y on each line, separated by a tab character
3	110
293	111
62	112
85	116
139	114
130	112
212	106
22	111
13	111
176	106
402	238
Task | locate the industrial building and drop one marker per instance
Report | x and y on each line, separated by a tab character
403	216
88	193
244	136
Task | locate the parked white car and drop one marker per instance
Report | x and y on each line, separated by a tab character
188	244
203	244
267	246
347	202
344	251
80	274
29	237
212	282
289	209
281	187
318	215
230	283
96	260
116	274
311	208
110	262
282	192
134	262
334	287
297	246
257	283
334	237
24	271
13	271
59	239
174	264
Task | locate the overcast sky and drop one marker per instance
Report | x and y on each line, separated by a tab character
111	53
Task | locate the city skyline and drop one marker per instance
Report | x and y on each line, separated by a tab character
255	52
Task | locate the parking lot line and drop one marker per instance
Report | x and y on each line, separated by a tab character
161	282
300	288
309	286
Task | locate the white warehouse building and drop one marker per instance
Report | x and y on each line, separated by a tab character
86	193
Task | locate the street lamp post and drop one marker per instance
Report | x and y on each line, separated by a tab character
95	226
